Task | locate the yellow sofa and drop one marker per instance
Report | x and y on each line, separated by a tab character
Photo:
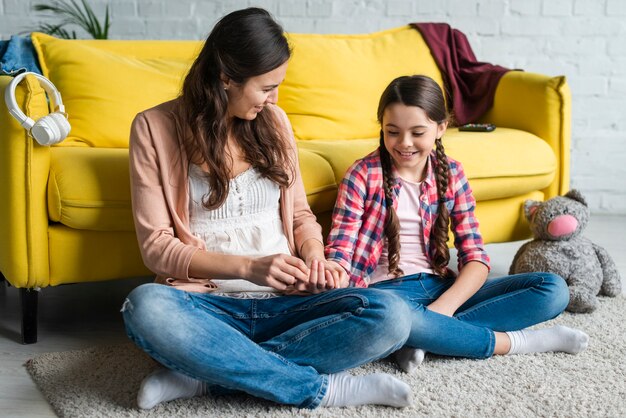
65	216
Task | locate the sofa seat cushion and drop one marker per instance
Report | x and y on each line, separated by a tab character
499	164
89	188
503	163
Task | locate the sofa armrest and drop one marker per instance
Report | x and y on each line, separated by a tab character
24	167
540	105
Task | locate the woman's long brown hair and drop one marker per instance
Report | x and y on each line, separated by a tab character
243	44
425	93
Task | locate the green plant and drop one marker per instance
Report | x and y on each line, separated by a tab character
73	14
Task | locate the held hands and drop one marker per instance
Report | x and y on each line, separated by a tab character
324	275
282	271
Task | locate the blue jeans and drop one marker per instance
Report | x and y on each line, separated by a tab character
505	304
279	349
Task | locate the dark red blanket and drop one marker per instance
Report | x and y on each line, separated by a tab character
470	84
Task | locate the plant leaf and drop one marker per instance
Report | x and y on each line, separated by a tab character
72	13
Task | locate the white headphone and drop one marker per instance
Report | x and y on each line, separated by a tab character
48	130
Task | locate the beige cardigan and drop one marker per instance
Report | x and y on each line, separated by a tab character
160	197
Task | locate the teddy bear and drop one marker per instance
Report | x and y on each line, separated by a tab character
559	247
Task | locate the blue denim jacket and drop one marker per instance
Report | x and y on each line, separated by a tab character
17	55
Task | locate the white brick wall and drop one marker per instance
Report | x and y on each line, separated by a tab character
582	39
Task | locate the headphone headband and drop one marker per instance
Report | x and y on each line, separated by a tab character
11	101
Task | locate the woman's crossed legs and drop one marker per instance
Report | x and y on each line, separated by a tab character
286	349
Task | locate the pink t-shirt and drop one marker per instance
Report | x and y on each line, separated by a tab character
413	257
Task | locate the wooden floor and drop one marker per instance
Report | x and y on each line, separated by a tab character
86	315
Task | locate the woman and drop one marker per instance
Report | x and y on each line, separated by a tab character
222	218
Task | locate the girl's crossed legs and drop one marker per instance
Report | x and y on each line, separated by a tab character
489	322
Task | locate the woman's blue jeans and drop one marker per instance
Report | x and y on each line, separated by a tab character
505	304
279	348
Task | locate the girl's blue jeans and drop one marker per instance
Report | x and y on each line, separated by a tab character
505	304
279	348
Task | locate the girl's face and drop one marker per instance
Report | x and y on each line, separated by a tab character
409	136
246	100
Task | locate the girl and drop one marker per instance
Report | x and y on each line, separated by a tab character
390	231
217	194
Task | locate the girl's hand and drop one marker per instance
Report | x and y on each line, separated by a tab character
338	274
324	275
279	271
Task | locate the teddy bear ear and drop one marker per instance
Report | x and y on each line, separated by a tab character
574	194
530	207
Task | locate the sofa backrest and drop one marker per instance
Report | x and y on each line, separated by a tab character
331	90
105	83
334	82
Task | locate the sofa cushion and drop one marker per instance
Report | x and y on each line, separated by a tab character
319	180
89	188
104	84
334	82
503	163
499	164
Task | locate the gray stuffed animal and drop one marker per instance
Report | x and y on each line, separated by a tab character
559	248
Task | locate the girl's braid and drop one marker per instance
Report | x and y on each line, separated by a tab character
439	234
392	224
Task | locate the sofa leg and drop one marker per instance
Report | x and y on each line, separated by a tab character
28	299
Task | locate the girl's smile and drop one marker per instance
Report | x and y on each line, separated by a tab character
409	137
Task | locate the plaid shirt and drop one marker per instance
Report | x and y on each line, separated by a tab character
356	238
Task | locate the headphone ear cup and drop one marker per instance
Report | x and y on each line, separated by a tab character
64	125
45	131
50	129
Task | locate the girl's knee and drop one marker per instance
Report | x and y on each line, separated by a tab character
558	292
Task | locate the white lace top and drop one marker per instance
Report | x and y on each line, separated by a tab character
248	223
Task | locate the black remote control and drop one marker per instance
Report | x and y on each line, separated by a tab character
477	127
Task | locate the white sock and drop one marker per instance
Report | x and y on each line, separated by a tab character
165	385
409	358
557	338
377	388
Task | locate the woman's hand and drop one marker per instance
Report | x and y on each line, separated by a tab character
279	271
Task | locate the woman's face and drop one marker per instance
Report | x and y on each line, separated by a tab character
409	136
246	100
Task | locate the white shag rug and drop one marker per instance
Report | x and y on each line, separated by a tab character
103	382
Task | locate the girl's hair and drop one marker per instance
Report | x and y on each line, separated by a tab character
425	93
243	44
